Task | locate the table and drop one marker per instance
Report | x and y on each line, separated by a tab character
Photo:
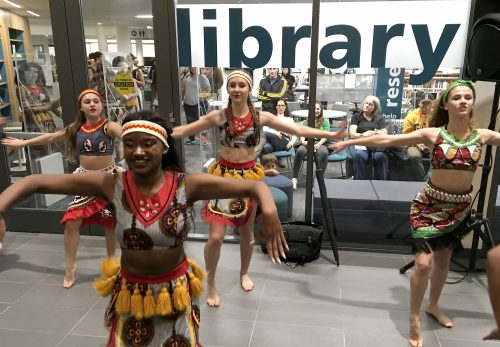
329	114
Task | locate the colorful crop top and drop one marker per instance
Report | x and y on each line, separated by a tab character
449	152
243	130
94	140
151	222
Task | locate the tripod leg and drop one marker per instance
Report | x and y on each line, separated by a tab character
405	268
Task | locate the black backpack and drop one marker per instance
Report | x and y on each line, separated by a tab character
304	242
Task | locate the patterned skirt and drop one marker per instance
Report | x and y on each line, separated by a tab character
93	210
159	310
439	219
234	212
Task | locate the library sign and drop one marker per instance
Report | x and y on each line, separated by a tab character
376	34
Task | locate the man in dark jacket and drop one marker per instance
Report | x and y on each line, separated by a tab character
271	89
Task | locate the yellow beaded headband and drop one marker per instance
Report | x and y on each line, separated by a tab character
241	74
147	127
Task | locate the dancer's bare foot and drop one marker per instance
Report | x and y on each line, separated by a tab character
212	296
415	339
493	335
246	283
439	316
69	278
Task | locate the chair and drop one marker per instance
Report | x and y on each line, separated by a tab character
339	157
288	155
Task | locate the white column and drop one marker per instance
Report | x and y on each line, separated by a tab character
123	39
101	39
139	55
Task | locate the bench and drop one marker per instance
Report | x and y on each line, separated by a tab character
368	212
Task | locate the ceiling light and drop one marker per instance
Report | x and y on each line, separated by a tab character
33	13
12	3
99	23
149	27
144	16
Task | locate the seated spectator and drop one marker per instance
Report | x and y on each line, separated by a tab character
319	145
277	140
270	164
368	123
418	119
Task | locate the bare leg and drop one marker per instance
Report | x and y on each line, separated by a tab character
418	286
246	251
2	235
110	242
212	255
494	290
441	260
71	240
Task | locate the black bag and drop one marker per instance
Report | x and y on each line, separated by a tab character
304	242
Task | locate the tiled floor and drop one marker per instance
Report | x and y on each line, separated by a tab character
364	302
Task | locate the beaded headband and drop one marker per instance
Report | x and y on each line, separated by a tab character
456	84
240	74
144	126
88	91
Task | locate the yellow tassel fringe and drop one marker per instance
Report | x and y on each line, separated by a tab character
163	302
109	267
149	304
196	287
197	270
123	299
136	304
180	295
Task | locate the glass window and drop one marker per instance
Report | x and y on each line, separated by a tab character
29	98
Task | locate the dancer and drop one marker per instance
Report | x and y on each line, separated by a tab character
153	290
440	212
239	126
494	290
90	138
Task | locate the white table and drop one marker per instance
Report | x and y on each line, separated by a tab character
329	114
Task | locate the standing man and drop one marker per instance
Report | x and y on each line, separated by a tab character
271	89
418	119
193	84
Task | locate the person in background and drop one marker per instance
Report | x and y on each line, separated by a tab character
440	212
214	75
154	289
90	138
154	90
368	123
239	126
290	82
193	84
494	290
320	123
271	88
418	119
277	140
270	164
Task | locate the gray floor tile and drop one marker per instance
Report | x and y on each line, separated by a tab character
58	296
467	343
92	324
23	338
11	291
225	332
231	307
300	313
83	341
48	319
361	338
290	335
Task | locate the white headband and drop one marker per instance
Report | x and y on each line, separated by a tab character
241	74
144	126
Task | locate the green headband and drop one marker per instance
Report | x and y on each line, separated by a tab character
456	84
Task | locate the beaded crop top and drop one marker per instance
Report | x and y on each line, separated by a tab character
151	222
243	130
449	152
94	140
